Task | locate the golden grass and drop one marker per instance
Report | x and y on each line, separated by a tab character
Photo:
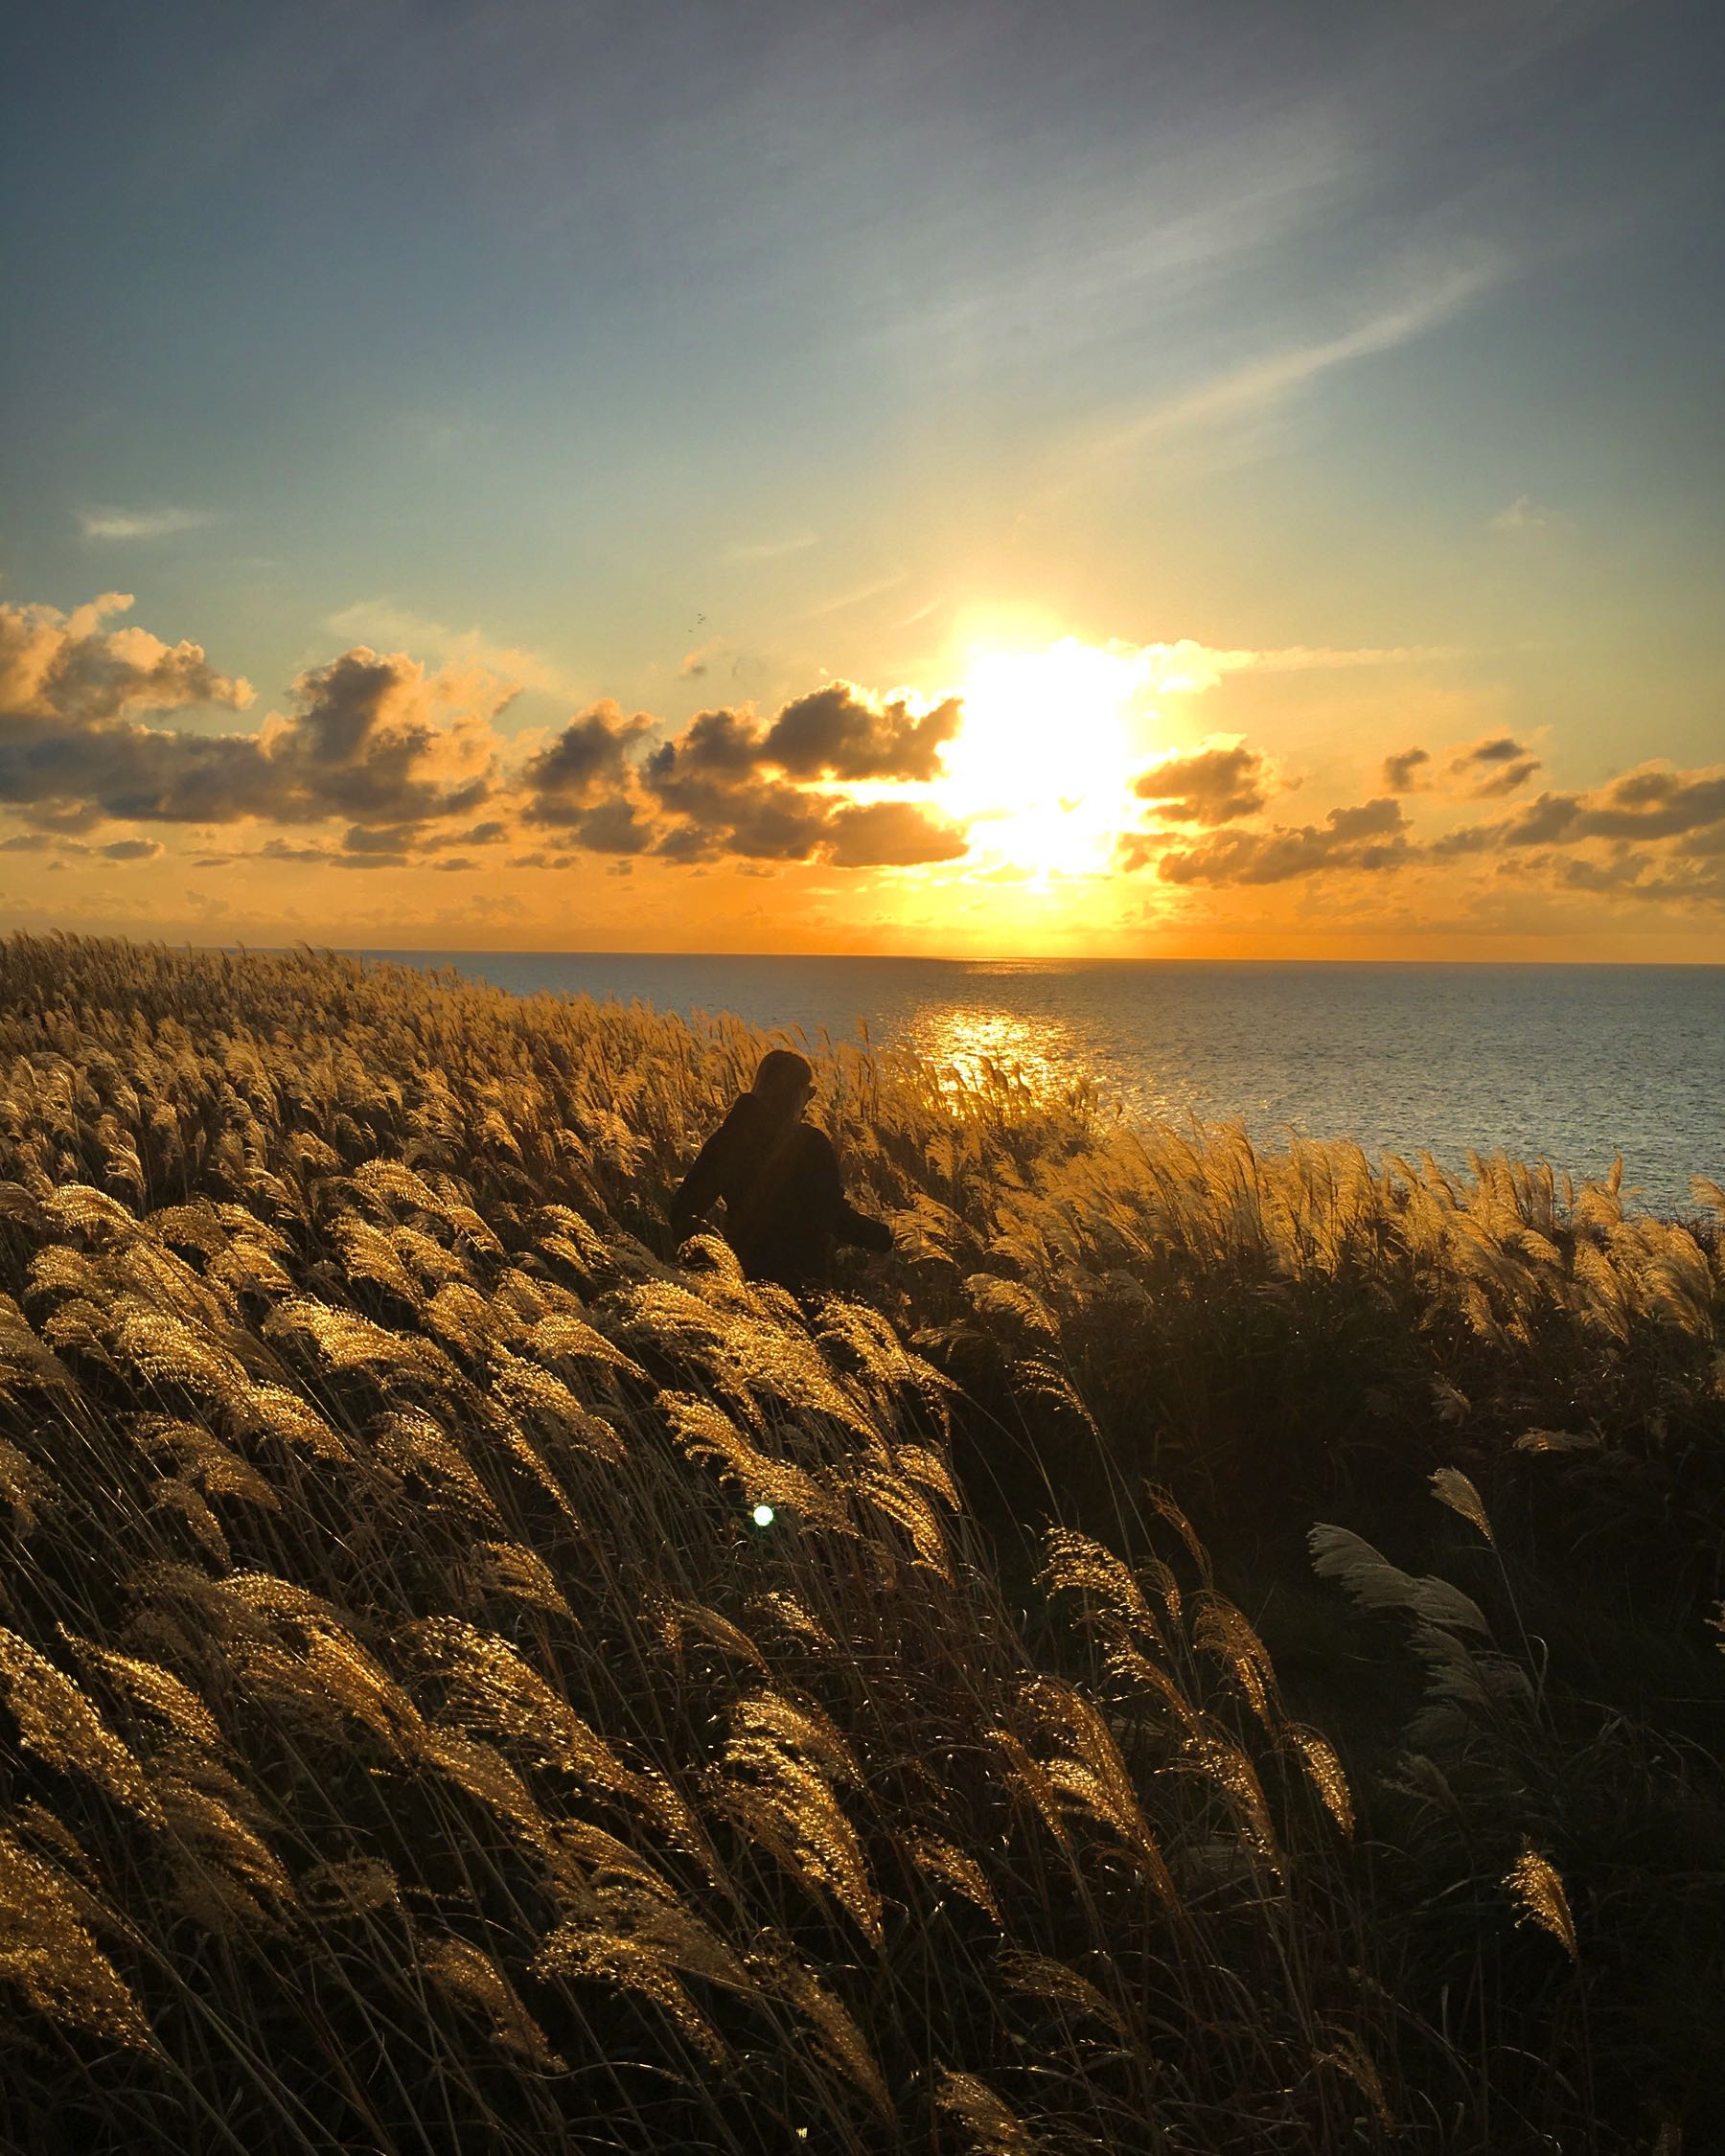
414	1743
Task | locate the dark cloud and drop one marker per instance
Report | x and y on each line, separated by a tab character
365	742
1553	816
1672	877
718	746
764	819
320	856
589	758
891	833
1661	831
1655	801
710	776
1492	767
617	826
1402	771
718	782
400	838
1371	837
76	776
133	849
1472	838
832	733
1210	785
1612	877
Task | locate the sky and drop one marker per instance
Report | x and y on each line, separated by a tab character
1231	478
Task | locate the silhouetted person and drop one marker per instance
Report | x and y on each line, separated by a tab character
784	1202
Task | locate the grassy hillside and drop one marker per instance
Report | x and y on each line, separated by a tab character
1201	1650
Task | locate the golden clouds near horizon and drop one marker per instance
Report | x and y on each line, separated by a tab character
1042	762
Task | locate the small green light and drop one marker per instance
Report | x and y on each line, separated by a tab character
762	1516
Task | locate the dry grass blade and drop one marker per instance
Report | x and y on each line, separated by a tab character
1451	1487
467	1973
1537	1886
58	1724
48	1952
994	2129
1376	1584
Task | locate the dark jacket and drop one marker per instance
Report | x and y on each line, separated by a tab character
784	1202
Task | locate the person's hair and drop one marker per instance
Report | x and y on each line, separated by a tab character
782	1075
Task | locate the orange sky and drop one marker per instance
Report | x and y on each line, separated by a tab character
1039	796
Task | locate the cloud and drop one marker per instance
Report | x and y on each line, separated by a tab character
1492	767
855	597
1656	801
833	734
587	758
1186	666
1523	514
727	785
1370	836
761	818
142	523
1487	770
891	833
323	857
717	780
768	550
380	622
370	738
1401	771
617	826
1262	384
66	667
404	757
1653	802
1209	786
716	749
1661	829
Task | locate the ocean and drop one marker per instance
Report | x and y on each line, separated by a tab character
1569	1064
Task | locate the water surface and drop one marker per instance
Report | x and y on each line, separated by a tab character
1570	1063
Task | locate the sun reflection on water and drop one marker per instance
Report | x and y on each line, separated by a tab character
967	1045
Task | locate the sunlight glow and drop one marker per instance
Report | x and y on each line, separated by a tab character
1042	761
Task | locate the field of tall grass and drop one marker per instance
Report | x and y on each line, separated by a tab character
1203	1649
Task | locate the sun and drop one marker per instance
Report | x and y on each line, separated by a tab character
1043	760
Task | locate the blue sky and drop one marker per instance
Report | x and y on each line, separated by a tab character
578	340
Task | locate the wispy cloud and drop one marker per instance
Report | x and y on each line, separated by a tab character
1263	384
1186	666
768	550
142	523
845	598
1523	514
